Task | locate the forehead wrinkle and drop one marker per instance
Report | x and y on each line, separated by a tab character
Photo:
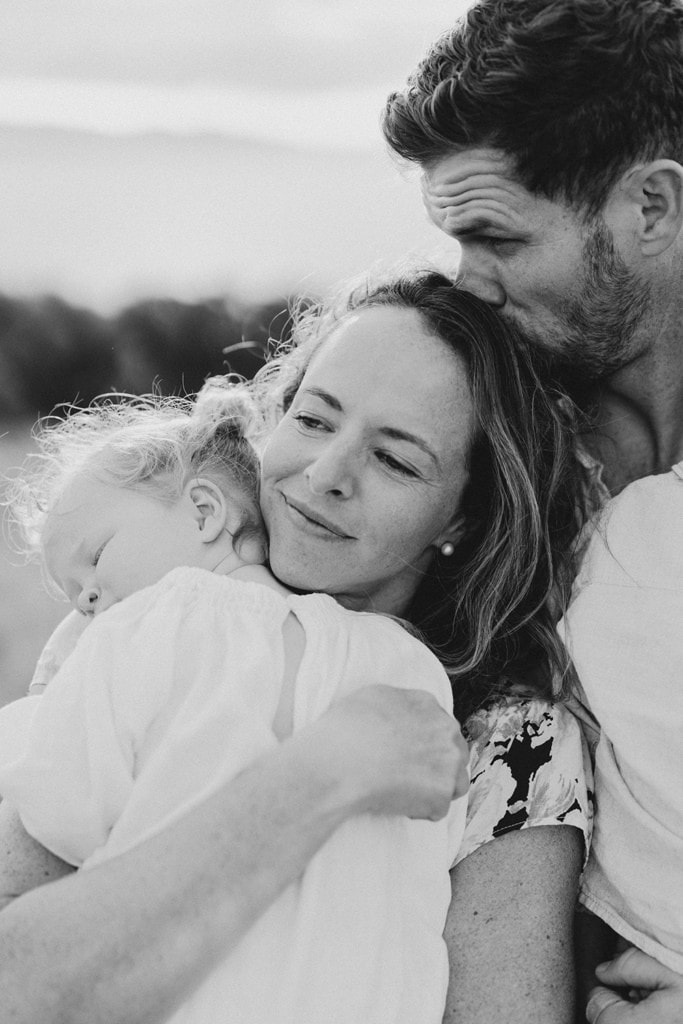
480	188
461	165
452	186
480	212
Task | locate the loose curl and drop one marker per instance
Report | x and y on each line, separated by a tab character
147	442
490	610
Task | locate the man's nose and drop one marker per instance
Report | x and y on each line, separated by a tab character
475	278
87	600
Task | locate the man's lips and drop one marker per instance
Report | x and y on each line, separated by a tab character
316	518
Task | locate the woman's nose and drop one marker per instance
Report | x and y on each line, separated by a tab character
87	600
331	473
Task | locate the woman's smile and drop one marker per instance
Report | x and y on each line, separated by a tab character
310	519
363	476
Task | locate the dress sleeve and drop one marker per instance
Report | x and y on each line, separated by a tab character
529	766
70	771
57	649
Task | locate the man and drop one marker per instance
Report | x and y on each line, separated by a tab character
550	136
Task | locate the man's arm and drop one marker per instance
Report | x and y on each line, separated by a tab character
129	939
509	929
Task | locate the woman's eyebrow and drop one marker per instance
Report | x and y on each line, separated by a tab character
403	435
324	396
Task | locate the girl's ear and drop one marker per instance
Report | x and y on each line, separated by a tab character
209	507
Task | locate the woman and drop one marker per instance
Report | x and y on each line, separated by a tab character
418	469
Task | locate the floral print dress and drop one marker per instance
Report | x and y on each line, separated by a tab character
529	766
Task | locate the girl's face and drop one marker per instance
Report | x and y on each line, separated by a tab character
103	542
363	477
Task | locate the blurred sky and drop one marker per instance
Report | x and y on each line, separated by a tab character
204	147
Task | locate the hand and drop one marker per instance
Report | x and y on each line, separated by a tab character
397	750
655	992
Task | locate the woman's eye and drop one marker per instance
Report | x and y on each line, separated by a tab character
393	464
309	422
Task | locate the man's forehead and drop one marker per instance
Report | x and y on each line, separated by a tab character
466	162
473	189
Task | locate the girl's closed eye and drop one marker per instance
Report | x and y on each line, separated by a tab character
98	554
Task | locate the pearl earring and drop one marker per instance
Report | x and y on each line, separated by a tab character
447	549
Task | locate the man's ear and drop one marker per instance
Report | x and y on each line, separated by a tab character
208	506
657	190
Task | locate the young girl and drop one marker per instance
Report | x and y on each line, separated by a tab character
195	661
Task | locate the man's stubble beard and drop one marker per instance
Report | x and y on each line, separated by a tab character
595	334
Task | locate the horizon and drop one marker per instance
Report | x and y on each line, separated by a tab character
125	165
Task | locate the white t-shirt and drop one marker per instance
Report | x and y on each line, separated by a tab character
624	630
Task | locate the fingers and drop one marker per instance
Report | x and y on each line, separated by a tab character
635	969
606	1007
655	992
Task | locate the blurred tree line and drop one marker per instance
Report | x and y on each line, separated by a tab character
52	352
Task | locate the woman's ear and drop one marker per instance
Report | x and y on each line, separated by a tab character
452	534
657	190
209	508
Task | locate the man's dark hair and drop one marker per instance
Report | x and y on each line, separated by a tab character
575	91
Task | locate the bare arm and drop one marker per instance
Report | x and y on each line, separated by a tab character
128	940
509	929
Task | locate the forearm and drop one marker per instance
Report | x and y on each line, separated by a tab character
130	939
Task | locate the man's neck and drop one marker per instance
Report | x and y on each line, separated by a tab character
638	423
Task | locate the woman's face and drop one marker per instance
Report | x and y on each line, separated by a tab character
363	477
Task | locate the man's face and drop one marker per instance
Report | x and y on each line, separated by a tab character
557	276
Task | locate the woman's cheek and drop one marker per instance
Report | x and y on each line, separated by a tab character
283	456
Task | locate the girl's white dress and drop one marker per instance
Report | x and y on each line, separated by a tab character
171	693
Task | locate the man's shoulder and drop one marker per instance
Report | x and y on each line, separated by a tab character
639	533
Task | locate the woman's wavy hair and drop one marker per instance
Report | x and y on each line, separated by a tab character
148	442
489	611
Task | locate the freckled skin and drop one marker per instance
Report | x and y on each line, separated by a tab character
343	457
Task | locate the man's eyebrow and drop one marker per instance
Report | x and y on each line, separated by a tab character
475	227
